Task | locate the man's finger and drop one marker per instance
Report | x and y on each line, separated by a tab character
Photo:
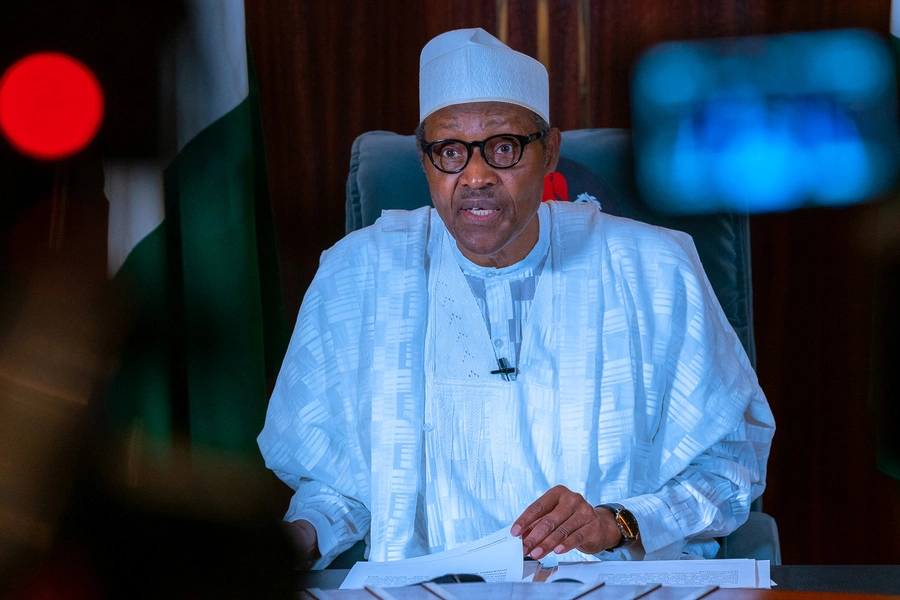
600	533
566	517
527	531
540	547
560	536
579	538
541	530
536	510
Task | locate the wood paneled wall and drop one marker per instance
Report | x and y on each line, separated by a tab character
331	70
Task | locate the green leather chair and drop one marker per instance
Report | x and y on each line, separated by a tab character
385	173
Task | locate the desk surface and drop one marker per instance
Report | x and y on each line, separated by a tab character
848	579
844	579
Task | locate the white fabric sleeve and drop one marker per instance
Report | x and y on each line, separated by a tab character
709	499
339	521
715	439
315	437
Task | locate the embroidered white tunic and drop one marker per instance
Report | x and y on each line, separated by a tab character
476	462
632	388
505	295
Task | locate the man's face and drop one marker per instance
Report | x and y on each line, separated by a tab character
490	212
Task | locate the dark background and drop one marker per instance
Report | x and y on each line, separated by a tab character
329	71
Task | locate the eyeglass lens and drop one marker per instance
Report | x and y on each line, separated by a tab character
499	151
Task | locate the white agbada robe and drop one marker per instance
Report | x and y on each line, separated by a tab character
632	387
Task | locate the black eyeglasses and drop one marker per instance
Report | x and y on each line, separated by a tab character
499	151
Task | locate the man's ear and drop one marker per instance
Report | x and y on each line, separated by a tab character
551	150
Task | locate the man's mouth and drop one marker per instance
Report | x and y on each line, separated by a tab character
480	212
479	207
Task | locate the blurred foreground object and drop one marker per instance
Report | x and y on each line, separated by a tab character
767	123
134	345
119	42
59	332
86	512
51	105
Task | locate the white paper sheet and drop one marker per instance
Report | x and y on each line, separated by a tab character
727	573
497	557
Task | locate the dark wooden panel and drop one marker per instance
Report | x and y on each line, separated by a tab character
813	285
444	16
813	295
797	15
565	98
621	31
329	71
522	26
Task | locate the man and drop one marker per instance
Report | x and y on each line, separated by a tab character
496	361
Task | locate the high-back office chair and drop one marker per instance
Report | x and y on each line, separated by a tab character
385	173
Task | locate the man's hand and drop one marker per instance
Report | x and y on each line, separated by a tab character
562	520
306	542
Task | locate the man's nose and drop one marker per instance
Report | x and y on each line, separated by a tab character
478	173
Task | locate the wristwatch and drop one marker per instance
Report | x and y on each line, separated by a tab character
626	523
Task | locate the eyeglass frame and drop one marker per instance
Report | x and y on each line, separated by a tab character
524	140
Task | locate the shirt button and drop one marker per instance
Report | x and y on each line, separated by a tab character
498	343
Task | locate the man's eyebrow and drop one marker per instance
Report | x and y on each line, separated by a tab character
451	123
496	121
455	123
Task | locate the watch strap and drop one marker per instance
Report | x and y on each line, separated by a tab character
626	523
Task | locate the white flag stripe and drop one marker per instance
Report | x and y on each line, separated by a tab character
895	18
136	206
211	65
206	80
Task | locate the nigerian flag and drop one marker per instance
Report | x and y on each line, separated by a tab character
191	246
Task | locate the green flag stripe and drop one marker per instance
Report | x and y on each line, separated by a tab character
275	328
211	214
141	392
208	321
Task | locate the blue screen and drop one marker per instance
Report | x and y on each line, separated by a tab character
765	124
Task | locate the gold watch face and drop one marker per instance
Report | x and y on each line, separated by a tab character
627	524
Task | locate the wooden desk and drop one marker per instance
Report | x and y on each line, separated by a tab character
794	583
850	579
568	591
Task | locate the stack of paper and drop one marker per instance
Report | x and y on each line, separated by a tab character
498	557
724	573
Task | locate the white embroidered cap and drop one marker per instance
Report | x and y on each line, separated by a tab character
471	65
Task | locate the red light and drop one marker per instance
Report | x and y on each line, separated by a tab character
51	105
